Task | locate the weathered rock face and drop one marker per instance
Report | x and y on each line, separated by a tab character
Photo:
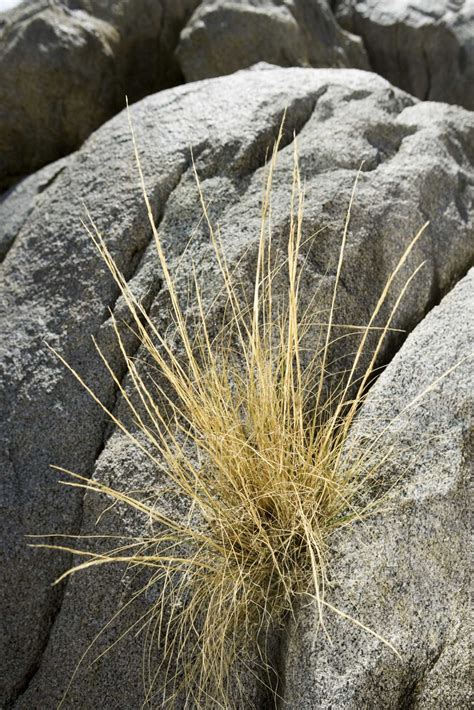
19	202
66	67
418	165
426	47
223	36
148	32
404	573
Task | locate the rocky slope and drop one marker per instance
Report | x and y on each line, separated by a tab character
418	165
65	68
67	65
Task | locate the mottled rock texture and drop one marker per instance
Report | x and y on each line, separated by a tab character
19	202
404	572
223	36
424	46
418	165
66	67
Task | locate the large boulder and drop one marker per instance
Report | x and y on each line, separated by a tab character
424	46
404	573
223	36
418	165
66	67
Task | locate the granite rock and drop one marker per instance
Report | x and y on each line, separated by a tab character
403	572
18	203
223	36
66	67
418	165
425	47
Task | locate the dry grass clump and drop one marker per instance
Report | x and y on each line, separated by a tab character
252	436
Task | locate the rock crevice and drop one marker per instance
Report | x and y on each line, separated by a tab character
55	289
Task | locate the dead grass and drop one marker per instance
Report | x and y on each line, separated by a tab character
253	438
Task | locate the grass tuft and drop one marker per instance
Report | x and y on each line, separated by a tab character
252	434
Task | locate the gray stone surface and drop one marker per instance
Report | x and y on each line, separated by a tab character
424	46
404	573
418	165
66	67
223	36
447	682
18	203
